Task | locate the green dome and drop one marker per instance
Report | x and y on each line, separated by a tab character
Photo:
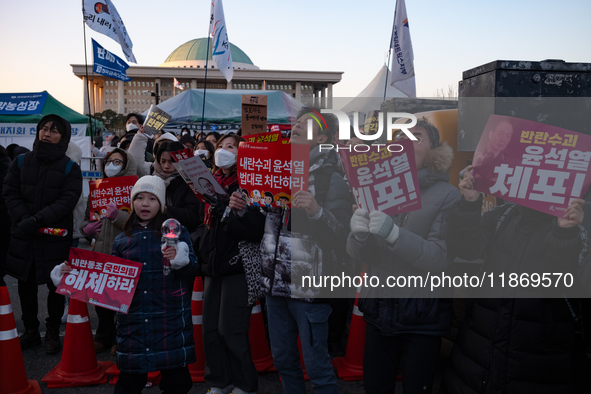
196	49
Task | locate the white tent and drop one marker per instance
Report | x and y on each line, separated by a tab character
372	96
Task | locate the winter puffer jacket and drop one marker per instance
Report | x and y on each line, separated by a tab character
420	248
46	186
217	246
110	228
157	332
513	345
295	245
182	204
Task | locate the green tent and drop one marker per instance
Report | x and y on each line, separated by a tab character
53	106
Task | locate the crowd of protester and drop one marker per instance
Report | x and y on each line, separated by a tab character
246	254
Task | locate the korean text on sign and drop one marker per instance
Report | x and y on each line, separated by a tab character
103	192
384	179
100	279
269	173
535	165
155	120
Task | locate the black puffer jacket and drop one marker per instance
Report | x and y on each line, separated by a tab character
4	218
513	345
217	247
182	204
43	188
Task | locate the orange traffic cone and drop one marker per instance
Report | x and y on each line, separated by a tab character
153	377
13	378
78	366
259	347
197	369
350	367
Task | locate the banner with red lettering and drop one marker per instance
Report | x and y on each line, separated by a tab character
110	191
269	174
532	164
100	279
383	179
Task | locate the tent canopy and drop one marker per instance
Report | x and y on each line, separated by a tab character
52	106
372	96
225	106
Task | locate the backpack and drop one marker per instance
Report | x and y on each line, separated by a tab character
21	158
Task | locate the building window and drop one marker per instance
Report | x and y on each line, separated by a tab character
143	83
125	102
115	101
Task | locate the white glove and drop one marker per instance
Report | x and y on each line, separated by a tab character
182	256
360	224
383	225
56	274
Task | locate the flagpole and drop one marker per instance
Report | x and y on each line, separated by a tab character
86	71
205	83
390	53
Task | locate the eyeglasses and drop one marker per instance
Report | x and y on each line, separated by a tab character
401	135
117	162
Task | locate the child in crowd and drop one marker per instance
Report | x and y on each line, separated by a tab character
157	332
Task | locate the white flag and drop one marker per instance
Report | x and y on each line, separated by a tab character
221	45
403	70
178	85
103	17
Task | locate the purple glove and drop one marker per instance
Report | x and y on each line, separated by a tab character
93	228
112	211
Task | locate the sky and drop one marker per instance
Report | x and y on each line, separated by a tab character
41	39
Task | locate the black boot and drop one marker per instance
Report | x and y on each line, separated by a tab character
52	341
30	338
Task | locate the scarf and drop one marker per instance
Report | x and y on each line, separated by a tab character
167	178
226	182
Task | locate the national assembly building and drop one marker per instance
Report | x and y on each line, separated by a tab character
187	64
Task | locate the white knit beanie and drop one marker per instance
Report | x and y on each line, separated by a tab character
150	184
167	137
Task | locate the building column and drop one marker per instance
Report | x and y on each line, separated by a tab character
298	91
120	98
322	98
264	86
85	94
329	95
229	85
193	84
92	98
101	99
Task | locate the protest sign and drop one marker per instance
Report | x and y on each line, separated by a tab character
272	136
532	164
198	177
110	191
384	179
155	121
269	174
254	114
100	279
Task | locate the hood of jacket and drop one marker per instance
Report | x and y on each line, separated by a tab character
437	163
129	168
46	151
74	152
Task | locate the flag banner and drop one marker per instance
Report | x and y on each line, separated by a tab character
270	174
403	70
100	279
22	104
155	121
271	136
221	45
107	64
103	18
384	179
103	192
198	177
178	85
532	164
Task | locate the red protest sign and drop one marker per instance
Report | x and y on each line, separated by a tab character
272	136
272	173
100	279
532	164
110	191
383	179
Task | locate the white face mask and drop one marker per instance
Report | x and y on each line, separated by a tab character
224	159
111	170
131	127
202	152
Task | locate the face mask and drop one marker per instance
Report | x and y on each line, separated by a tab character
224	159
111	170
185	132
202	152
131	127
